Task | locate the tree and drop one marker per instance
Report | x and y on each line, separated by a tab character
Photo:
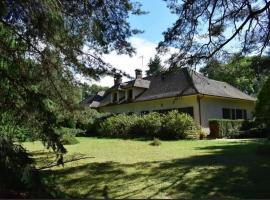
43	46
262	110
205	27
246	73
155	66
91	89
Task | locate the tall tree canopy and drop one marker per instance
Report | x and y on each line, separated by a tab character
155	66
43	45
262	110
246	73
205	27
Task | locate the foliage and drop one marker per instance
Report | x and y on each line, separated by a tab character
204	29
155	66
148	125
248	74
263	150
262	110
173	125
45	45
67	135
118	125
68	139
91	89
14	131
202	134
156	142
220	128
15	164
177	126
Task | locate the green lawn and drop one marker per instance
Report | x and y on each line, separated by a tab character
176	169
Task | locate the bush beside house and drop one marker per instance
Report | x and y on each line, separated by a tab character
226	128
172	125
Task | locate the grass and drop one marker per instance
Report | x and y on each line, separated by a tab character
175	169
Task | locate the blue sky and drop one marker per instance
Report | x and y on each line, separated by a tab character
155	22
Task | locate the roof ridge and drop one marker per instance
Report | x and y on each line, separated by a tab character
187	71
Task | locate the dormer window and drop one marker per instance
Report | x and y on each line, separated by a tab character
130	94
114	97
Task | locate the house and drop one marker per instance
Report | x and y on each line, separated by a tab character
183	89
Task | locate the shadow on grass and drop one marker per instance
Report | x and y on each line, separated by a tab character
233	170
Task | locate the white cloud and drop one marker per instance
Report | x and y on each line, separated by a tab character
128	64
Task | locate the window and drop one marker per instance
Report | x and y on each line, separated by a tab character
245	114
226	113
239	114
187	110
130	94
114	97
232	113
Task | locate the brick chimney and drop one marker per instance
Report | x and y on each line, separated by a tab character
117	79
138	73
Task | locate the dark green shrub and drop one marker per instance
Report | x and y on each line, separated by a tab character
173	125
262	110
94	126
178	126
118	125
67	139
156	142
68	122
85	117
263	150
68	135
221	128
148	125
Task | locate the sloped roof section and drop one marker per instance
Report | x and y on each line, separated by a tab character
212	87
93	100
169	84
179	82
140	83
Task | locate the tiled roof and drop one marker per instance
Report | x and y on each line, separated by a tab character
180	82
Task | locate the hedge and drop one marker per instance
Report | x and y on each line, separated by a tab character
172	125
221	128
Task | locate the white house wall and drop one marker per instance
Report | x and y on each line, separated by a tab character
211	107
159	104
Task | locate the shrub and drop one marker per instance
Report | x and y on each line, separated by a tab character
173	125
94	127
148	125
202	135
262	110
178	126
85	117
80	119
67	139
263	150
220	128
68	135
156	142
118	125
